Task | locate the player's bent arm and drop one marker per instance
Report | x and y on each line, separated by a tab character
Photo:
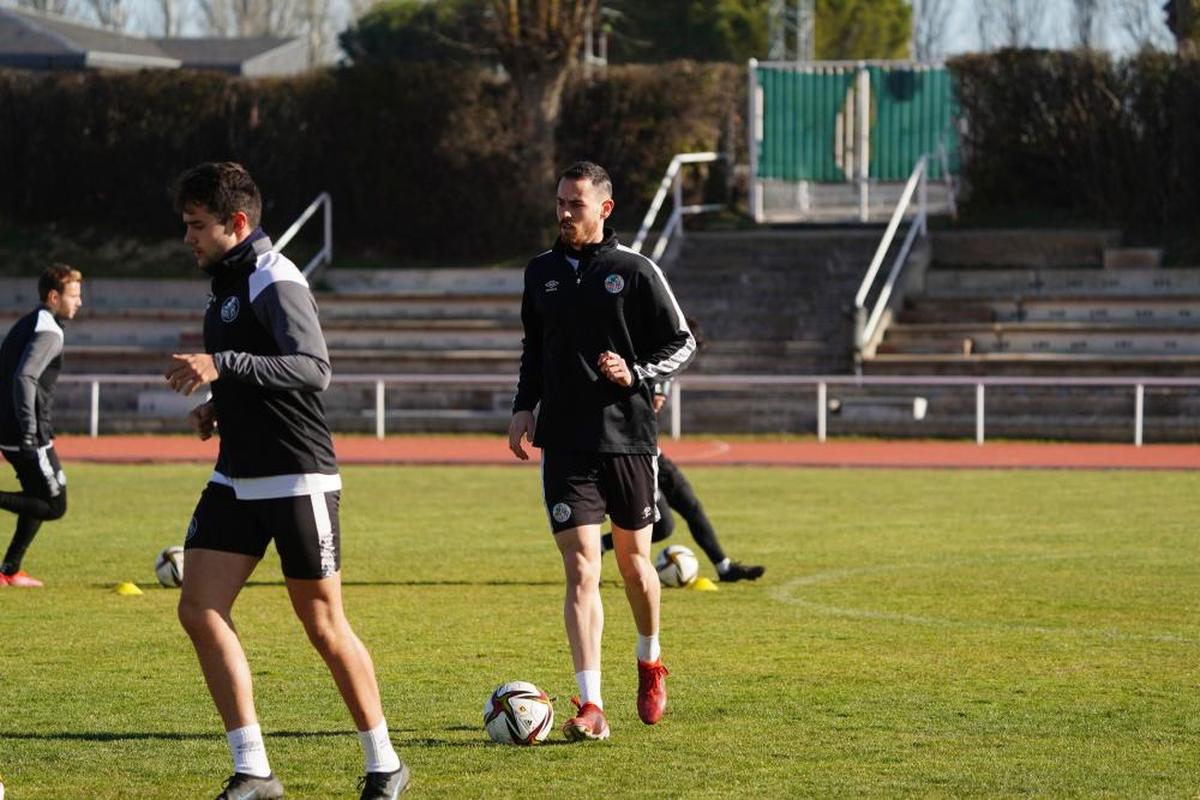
288	311
675	345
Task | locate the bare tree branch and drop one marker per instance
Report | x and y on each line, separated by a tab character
929	31
1009	23
1086	16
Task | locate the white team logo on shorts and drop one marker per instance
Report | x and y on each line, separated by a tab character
614	284
193	526
229	309
561	512
646	511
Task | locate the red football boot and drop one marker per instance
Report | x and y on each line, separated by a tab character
588	723
23	579
652	691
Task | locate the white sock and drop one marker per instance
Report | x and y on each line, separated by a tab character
378	752
588	682
723	566
249	751
648	649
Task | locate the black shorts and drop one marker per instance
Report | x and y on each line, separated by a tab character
40	477
580	488
305	529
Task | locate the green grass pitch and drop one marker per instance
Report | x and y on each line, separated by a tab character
917	634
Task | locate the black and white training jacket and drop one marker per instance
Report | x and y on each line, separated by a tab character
575	306
262	329
30	360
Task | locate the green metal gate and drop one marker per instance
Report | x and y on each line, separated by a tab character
826	136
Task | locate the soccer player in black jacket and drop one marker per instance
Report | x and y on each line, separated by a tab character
30	360
276	476
601	327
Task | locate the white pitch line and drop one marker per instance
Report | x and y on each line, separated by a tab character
786	593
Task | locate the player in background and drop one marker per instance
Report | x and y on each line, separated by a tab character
30	360
675	492
276	477
601	327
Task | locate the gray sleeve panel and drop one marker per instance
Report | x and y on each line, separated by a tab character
288	311
41	350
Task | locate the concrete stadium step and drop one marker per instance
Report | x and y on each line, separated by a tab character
115	294
775	287
1061	283
479	282
1042	337
1135	310
985	249
353	308
1031	364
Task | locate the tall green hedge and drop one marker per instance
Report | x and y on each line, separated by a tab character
419	158
1112	141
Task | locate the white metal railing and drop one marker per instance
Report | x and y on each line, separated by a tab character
730	383
324	256
671	183
867	327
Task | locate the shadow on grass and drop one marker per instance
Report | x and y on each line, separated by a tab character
425	583
115	736
154	587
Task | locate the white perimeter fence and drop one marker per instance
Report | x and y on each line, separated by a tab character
720	383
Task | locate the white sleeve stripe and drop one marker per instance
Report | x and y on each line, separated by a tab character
675	360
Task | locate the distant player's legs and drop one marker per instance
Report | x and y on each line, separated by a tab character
43	497
680	496
210	587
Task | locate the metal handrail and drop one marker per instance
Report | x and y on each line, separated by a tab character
866	327
671	183
714	383
324	256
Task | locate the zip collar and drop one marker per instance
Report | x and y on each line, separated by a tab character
242	257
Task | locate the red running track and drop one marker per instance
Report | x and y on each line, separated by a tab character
494	450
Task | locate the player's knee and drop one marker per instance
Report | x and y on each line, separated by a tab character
195	618
581	571
634	567
57	506
325	635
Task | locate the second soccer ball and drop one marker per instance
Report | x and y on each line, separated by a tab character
169	566
677	566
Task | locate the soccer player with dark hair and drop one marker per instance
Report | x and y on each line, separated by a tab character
30	360
276	476
601	327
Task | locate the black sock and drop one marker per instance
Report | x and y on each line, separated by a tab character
27	528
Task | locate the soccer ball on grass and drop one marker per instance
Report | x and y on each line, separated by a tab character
518	713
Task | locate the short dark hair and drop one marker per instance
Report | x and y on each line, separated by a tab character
222	187
56	277
591	171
